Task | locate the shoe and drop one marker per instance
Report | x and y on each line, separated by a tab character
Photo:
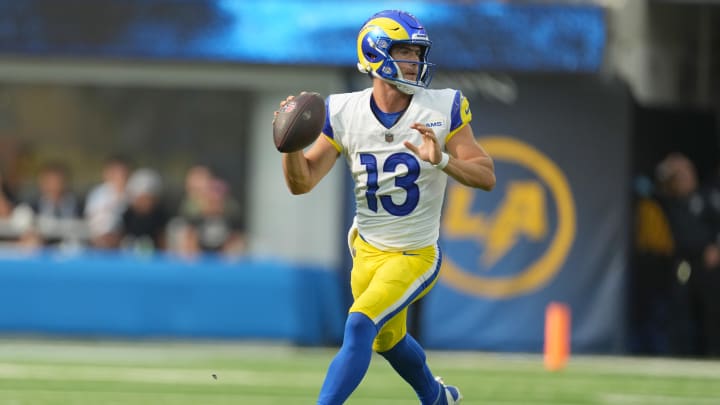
452	394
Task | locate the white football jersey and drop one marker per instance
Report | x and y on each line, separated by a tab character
399	197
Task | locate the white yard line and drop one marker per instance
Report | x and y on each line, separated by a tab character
666	367
130	351
74	396
623	399
179	352
660	367
157	375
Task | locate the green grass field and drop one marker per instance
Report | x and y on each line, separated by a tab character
100	372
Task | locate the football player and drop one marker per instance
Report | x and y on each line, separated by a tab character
401	141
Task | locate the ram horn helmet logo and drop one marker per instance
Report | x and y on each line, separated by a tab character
518	244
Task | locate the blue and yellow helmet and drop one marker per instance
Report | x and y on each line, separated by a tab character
377	37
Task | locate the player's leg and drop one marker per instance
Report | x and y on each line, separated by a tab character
408	360
408	276
350	364
383	285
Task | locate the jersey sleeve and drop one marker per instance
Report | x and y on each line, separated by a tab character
460	114
327	127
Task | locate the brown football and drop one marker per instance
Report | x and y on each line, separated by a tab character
299	122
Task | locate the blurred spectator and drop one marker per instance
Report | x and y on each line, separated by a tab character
145	219
56	208
652	278
218	227
711	192
106	202
7	204
197	180
696	255
7	199
16	221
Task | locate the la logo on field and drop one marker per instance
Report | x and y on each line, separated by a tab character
534	209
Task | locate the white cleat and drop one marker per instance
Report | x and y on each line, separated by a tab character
452	394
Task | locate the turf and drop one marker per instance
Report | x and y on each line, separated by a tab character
36	372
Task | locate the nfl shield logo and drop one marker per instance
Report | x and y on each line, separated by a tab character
289	107
389	137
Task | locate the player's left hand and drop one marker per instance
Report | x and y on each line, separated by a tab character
429	149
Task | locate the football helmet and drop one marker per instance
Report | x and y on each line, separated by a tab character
379	34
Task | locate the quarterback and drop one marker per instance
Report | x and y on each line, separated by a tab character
400	141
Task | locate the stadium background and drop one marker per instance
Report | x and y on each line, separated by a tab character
576	98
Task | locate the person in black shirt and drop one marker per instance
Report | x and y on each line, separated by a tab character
696	254
57	209
217	227
145	219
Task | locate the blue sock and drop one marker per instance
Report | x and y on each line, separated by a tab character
350	363
408	359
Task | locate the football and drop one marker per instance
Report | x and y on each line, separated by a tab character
299	122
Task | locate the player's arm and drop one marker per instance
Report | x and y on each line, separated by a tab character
303	170
465	161
469	163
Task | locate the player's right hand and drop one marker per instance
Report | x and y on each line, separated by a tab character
287	100
282	104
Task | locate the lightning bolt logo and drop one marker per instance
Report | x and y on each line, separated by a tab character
521	217
521	214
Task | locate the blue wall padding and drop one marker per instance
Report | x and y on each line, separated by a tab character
116	295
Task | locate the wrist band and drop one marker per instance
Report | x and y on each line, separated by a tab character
444	160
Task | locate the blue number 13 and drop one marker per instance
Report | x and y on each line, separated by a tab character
406	182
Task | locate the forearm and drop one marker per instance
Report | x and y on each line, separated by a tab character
304	170
297	171
477	172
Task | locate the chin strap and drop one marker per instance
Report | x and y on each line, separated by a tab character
408	89
405	88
